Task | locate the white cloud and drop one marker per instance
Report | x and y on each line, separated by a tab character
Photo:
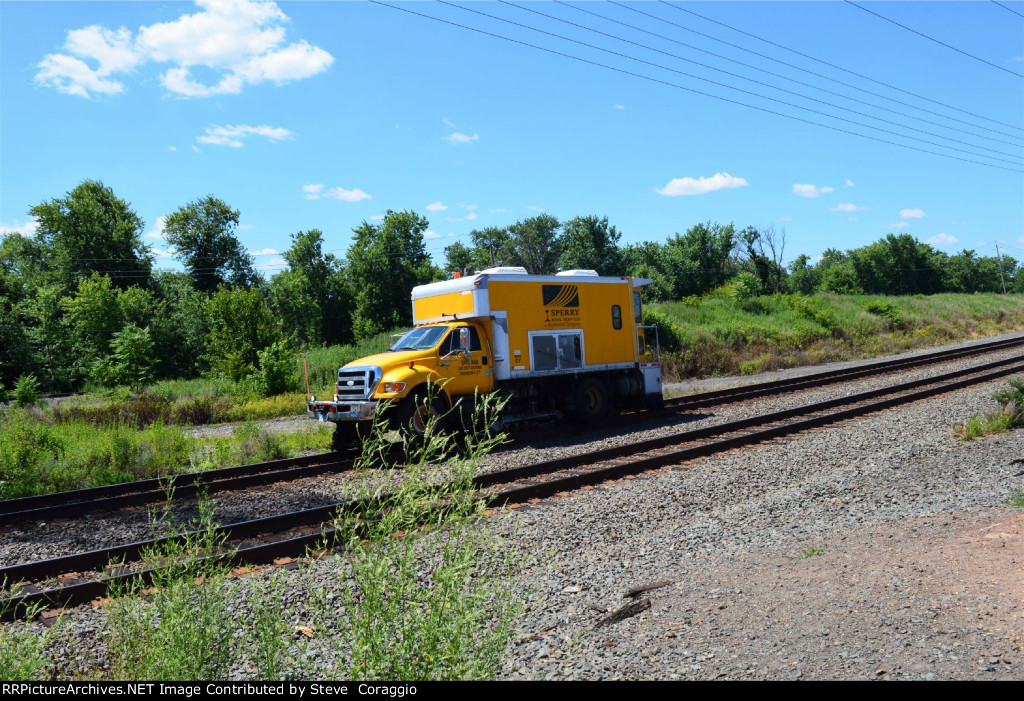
845	207
470	207
619	107
429	234
498	210
165	252
534	208
172	148
273	264
436	207
340	193
195	148
245	227
471	216
240	41
377	217
265	252
459	138
849	183
156	233
24	228
942	240
811	190
699	186
911	214
899	225
71	76
316	192
233	135
448	123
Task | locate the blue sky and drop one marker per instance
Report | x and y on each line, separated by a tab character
324	114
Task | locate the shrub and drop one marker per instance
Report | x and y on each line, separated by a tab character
887	311
670	338
276	372
26	390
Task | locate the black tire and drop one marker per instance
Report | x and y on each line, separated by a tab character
590	400
415	413
346	436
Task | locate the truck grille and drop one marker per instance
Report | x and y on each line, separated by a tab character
357	383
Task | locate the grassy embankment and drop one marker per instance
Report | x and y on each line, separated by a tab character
723	335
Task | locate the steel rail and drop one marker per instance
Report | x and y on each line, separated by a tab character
259	553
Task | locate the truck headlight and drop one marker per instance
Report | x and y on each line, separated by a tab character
392	387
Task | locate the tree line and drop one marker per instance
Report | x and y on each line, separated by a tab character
82	301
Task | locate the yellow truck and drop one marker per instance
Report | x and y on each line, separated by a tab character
553	345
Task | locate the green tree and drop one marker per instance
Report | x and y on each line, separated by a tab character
804	276
203	234
648	260
699	260
536	245
91	230
179	325
312	297
589	243
385	262
241	324
92	316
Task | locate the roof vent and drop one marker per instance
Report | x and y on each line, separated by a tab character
504	270
584	273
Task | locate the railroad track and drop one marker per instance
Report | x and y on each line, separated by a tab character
61	582
63	505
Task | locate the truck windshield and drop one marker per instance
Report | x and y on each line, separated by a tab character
420	339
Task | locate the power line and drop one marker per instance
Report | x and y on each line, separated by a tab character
845	70
682	87
937	41
793	80
713	82
1008	9
770	86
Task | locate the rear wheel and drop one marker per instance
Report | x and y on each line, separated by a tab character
591	400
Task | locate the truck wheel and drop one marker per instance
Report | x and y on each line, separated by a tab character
591	400
346	436
416	413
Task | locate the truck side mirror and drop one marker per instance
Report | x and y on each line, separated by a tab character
464	340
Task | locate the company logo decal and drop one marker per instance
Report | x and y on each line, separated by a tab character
561	305
561	295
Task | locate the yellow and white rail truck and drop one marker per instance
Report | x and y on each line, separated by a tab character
571	343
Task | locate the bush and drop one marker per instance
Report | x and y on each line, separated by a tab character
276	374
26	390
887	311
670	338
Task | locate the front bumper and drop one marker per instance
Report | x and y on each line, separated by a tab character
341	411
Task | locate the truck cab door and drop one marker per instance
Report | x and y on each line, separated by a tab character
465	373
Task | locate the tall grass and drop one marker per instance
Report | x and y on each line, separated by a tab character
324	362
39	455
426	608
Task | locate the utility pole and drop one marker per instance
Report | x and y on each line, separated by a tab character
1000	257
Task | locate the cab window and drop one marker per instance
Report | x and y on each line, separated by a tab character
636	308
451	343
